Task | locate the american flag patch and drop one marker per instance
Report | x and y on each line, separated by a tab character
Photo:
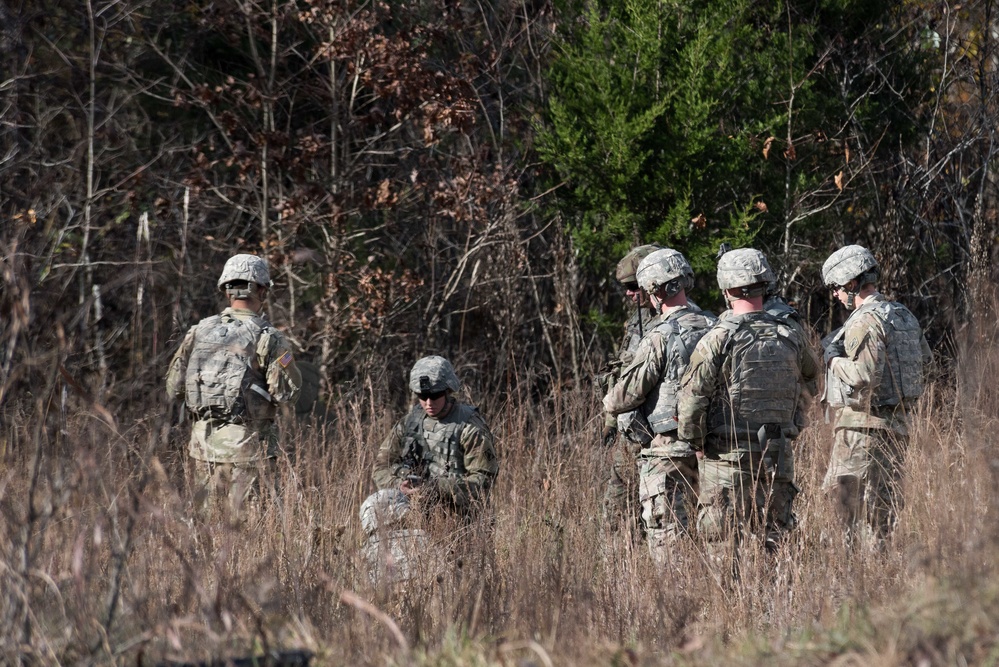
285	359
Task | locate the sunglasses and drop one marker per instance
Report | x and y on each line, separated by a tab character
631	287
430	397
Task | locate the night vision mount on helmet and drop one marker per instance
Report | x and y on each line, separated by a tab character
433	374
241	273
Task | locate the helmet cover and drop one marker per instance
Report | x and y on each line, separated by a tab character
433	374
663	267
847	263
250	268
742	268
627	268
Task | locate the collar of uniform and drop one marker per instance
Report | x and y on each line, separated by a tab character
237	312
877	296
672	309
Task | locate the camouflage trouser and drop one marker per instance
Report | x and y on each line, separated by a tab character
865	478
237	482
621	490
745	491
666	491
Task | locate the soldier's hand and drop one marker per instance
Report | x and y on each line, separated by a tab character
608	435
834	349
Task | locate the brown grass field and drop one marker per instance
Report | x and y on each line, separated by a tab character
101	561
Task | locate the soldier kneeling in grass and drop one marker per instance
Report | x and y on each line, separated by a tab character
439	458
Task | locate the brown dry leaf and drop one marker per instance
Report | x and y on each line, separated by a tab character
847	151
789	152
838	179
700	222
766	147
760	206
384	192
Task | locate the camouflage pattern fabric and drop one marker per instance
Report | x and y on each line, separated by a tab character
216	440
393	550
454	454
870	441
667	493
869	343
667	470
711	383
742	491
649	384
865	479
433	374
740	486
846	264
620	485
236	482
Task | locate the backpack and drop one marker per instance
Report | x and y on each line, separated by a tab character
224	381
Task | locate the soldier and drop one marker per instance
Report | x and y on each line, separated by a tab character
737	406
648	386
874	376
785	489
441	456
232	370
619	490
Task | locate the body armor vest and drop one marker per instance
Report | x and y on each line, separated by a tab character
901	369
761	373
631	423
223	379
777	307
437	453
682	328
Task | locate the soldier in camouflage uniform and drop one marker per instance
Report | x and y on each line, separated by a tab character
776	305
648	388
232	370
619	492
874	375
441	456
737	406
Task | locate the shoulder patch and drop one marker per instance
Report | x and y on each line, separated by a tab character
285	359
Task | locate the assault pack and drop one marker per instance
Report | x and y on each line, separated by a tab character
224	380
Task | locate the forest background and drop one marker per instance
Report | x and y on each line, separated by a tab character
455	178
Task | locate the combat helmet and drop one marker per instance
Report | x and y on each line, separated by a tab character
627	268
665	268
847	263
852	262
433	374
746	269
244	268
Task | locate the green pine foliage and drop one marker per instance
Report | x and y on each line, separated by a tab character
691	122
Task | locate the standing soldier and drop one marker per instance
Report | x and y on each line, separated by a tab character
619	493
785	489
875	376
737	407
648	386
232	370
439	457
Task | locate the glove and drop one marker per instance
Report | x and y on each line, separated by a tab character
833	350
608	435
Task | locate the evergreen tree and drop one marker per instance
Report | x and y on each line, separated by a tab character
691	122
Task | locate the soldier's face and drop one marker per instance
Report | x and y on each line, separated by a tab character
433	404
842	295
634	293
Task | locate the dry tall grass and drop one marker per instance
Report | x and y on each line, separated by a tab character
102	562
